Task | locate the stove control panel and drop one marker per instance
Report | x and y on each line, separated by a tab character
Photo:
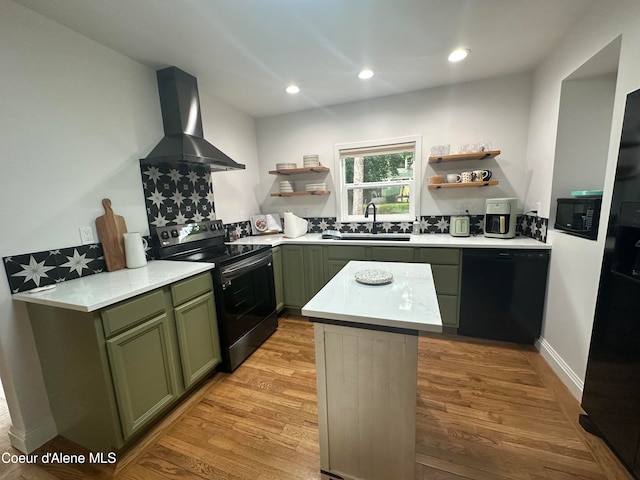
190	232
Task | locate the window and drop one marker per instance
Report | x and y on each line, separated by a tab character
381	173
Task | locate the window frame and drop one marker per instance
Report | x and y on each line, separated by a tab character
342	201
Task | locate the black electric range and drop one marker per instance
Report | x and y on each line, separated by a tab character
242	280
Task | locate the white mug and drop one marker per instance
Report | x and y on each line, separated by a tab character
453	178
134	250
466	177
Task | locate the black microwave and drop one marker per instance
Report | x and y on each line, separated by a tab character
579	216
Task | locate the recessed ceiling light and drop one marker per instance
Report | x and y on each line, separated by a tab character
459	54
292	89
365	74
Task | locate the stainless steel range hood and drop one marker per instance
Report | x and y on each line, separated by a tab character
183	142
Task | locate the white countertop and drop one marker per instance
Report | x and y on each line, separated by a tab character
423	240
408	302
94	292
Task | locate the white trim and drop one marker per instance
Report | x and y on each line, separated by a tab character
561	368
341	194
29	441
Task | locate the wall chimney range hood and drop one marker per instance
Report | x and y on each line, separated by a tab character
183	142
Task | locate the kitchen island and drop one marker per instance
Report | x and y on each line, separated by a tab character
366	343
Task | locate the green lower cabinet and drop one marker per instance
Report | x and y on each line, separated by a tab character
334	266
337	256
445	267
276	252
448	305
446	279
307	268
314	263
197	329
143	367
293	276
110	373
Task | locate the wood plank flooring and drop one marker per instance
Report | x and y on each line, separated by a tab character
486	410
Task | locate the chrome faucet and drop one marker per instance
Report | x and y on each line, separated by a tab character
374	229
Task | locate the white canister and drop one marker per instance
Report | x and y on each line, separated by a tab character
134	249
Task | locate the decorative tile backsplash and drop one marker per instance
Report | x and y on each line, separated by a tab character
31	270
533	227
177	194
39	269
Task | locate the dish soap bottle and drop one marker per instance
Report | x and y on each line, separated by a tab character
416	226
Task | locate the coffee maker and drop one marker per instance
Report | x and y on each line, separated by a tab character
500	217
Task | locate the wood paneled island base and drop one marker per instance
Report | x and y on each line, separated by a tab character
366	344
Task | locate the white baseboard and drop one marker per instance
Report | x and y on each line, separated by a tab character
560	367
28	441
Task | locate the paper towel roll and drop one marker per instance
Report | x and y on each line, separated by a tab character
294	226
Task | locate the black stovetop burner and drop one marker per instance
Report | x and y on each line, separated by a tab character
200	242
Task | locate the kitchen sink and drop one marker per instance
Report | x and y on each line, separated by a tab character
394	237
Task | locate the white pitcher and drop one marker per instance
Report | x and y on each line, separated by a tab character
134	249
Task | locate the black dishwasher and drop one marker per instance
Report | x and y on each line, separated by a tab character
502	294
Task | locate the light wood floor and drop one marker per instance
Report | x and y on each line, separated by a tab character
486	410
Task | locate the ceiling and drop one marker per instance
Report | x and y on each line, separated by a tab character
244	52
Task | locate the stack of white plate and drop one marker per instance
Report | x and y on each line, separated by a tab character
286	186
311	160
286	166
313	187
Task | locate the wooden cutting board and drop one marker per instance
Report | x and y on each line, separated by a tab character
111	228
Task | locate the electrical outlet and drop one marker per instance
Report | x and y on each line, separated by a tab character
462	208
86	236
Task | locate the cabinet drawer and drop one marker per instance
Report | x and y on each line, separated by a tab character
130	312
446	279
392	254
192	287
341	252
439	256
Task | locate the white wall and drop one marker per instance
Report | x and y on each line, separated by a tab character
583	136
568	321
495	109
234	133
76	117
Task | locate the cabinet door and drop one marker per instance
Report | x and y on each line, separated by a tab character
276	252
294	275
448	310
339	255
314	270
446	279
143	368
334	266
197	327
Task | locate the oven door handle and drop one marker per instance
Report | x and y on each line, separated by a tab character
245	266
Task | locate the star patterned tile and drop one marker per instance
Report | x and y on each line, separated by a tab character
32	270
177	195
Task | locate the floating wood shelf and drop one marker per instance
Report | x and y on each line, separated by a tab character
294	194
487	183
464	156
294	171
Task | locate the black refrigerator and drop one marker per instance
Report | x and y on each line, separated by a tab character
611	396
